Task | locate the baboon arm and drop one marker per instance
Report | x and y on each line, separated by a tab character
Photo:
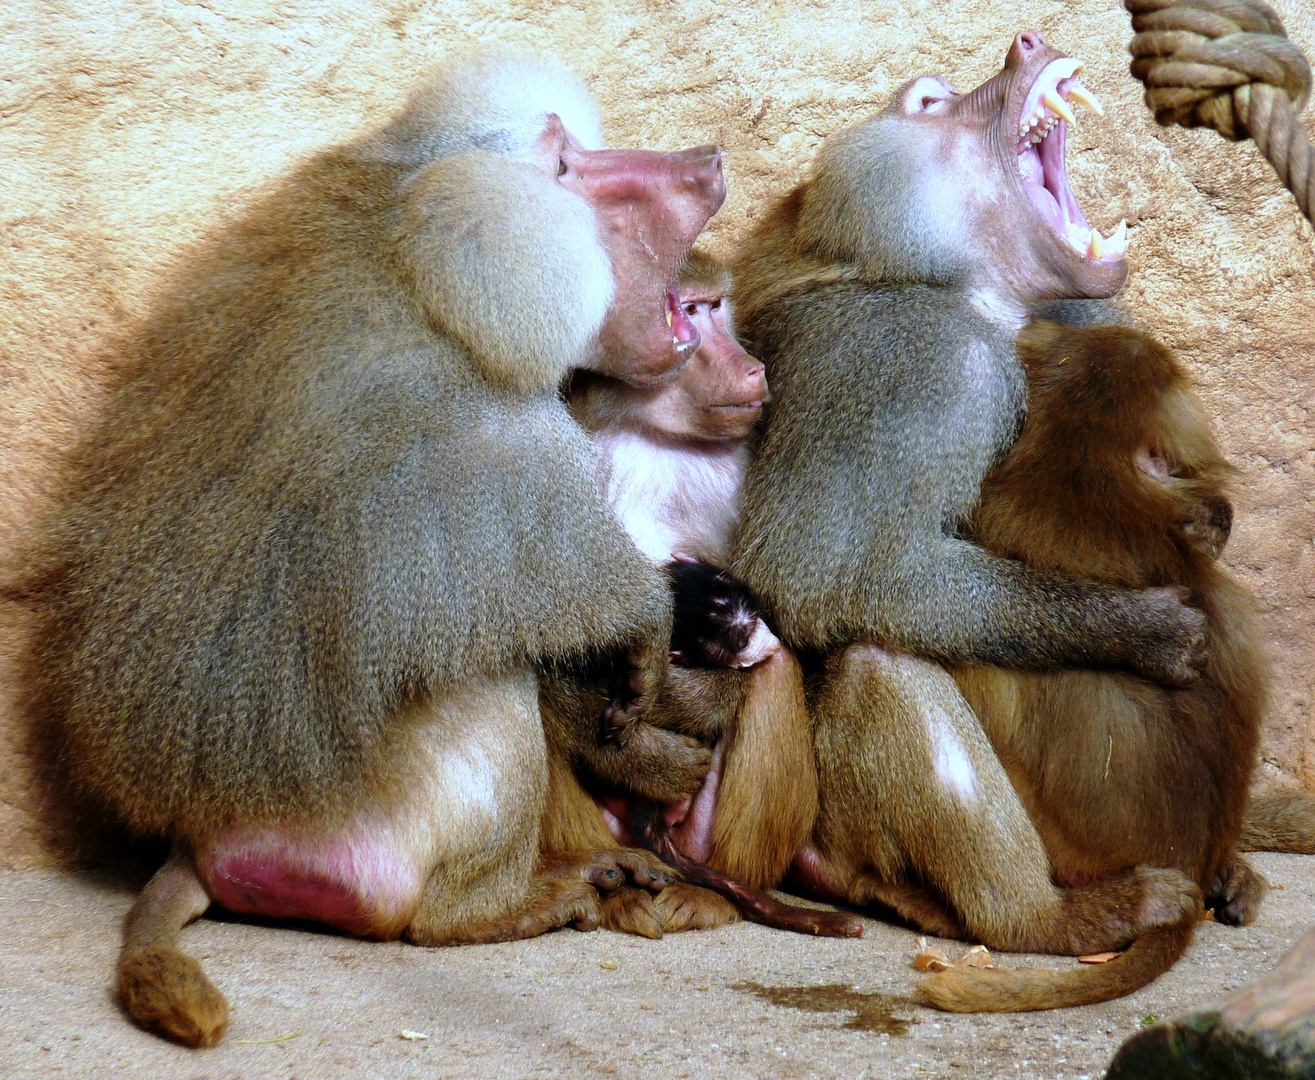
889	406
701	702
642	759
953	601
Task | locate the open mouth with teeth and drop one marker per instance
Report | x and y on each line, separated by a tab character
1042	133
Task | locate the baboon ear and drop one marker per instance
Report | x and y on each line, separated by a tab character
508	262
926	95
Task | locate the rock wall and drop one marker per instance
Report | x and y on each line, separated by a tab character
129	127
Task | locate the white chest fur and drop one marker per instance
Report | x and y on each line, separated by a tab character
674	498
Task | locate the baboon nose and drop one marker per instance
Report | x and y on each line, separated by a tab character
1024	45
703	172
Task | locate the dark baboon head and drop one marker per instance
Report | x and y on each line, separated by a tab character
1116	455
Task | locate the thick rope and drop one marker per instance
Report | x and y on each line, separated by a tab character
1228	64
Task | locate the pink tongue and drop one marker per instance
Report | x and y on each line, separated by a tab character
684	332
1045	204
1033	175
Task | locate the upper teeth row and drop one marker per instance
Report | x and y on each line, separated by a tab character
1051	108
1038	127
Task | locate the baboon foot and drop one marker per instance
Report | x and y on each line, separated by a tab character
609	868
1110	913
688	907
166	991
1235	895
631	911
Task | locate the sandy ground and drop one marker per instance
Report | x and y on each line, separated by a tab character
736	1002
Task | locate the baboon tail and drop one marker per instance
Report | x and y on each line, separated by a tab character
162	988
969	989
1281	821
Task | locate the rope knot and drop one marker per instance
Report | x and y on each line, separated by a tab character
1228	65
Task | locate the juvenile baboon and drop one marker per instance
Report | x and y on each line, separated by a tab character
673	464
306	566
1116	479
885	294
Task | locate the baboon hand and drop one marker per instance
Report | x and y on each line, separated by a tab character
638	678
1171	636
1208	527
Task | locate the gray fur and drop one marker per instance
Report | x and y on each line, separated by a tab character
304	508
892	397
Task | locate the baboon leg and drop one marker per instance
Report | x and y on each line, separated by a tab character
163	988
767	802
489	881
912	789
912	903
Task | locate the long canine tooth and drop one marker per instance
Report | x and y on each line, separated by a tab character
1096	249
668	318
1117	241
1055	104
1084	97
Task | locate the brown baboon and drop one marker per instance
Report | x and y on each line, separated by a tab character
305	568
885	294
1116	479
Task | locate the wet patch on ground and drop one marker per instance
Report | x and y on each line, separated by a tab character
868	1012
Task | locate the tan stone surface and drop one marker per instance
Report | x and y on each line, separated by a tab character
127	128
313	1006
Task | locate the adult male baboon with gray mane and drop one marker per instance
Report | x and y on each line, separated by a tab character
885	294
302	571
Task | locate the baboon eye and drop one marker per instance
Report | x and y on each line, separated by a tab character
561	166
691	309
716	304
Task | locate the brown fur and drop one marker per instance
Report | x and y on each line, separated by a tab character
1279	821
1116	771
768	799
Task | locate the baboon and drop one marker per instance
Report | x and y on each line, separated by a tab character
305	568
885	294
673	463
1116	479
714	619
